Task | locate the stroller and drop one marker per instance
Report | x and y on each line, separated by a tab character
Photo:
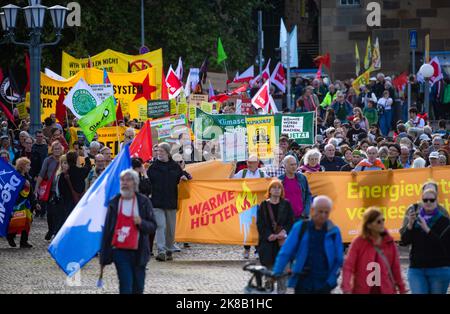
262	280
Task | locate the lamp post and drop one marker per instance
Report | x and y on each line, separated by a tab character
427	71
34	18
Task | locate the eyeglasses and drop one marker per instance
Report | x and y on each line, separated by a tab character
429	200
380	221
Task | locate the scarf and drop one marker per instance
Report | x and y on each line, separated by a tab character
430	218
308	168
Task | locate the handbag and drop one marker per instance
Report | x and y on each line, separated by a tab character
75	195
45	187
275	227
386	262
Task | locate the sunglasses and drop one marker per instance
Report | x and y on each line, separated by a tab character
380	221
429	200
181	162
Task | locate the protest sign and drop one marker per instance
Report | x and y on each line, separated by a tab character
108	137
158	108
261	136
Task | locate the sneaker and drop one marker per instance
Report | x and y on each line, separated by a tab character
175	249
161	257
169	256
48	236
186	245
25	245
246	254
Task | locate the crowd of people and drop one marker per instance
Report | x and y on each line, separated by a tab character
354	133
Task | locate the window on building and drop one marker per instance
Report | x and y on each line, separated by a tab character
350	3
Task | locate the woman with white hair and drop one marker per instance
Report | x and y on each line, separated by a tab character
312	162
419	163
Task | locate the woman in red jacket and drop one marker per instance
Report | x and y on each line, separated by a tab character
372	265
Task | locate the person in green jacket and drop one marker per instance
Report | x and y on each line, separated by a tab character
393	160
371	113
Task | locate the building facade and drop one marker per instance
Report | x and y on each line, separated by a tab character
335	26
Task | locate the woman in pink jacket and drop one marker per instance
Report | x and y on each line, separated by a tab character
372	265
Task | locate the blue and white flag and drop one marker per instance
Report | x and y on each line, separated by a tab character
80	237
11	183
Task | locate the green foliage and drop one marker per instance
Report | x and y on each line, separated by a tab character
182	28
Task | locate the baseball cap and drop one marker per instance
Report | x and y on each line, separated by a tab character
358	153
253	158
434	155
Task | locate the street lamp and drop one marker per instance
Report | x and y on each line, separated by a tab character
427	72
34	18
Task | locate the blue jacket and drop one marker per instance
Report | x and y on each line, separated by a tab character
305	190
298	252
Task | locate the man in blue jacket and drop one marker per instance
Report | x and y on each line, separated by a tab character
316	249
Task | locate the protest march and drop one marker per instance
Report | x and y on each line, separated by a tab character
312	177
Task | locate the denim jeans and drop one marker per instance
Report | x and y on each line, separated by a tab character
385	122
429	280
165	228
131	276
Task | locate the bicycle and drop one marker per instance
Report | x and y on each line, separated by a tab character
259	274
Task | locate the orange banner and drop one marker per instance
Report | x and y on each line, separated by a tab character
224	211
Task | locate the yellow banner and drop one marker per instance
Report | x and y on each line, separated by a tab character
261	136
116	62
108	137
132	90
222	211
212	211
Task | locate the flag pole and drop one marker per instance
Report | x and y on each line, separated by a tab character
117	133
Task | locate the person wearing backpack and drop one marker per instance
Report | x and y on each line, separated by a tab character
252	172
374	246
316	250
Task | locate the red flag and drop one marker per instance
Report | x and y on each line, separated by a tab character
319	72
27	63
400	81
7	113
89	65
239	90
220	98
164	91
60	108
266	72
142	144
279	78
119	114
173	84
262	97
325	60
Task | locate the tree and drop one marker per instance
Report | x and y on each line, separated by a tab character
182	28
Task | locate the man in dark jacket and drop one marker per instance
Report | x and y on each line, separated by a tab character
330	162
125	238
165	175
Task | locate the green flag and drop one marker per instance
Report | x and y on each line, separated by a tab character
102	115
221	55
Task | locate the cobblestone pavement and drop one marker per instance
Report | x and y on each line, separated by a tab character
204	269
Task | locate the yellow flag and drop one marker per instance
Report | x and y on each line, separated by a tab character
358	60
376	57
368	57
363	79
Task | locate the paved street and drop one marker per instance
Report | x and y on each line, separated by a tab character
201	269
